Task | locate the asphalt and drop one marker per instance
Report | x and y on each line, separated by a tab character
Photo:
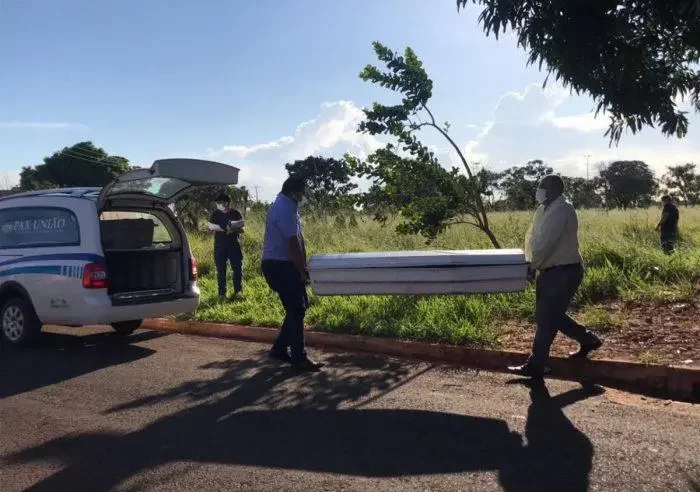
88	411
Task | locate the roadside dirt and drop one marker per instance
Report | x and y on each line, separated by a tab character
648	333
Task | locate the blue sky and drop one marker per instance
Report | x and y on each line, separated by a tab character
259	83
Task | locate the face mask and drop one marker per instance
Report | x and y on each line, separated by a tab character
541	195
221	207
303	201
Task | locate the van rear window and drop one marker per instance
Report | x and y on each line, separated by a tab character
37	227
133	230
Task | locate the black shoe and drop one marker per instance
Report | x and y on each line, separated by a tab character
586	349
280	356
306	365
529	371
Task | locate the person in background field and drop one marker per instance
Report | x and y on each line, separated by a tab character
668	225
284	268
553	252
227	248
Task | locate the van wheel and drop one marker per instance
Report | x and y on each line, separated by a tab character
127	327
19	325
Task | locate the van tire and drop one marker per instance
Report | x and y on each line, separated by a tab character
126	328
19	325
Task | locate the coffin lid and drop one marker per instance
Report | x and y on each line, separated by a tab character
413	259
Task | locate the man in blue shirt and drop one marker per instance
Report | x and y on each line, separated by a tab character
284	268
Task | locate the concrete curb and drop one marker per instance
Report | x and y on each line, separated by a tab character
664	381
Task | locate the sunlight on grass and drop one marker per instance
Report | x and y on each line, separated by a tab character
620	250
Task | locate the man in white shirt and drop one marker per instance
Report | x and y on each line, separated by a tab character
552	249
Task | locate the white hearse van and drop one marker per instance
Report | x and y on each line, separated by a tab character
114	256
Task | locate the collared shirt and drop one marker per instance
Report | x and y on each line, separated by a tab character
553	237
282	223
227	238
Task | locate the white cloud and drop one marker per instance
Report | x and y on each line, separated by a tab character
8	179
39	125
540	124
586	122
332	133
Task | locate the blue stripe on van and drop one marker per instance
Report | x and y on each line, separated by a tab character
36	270
59	256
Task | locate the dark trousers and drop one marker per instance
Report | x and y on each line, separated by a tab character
668	241
224	255
284	279
554	291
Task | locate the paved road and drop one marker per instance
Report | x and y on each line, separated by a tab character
169	412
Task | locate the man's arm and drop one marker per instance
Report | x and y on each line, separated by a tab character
295	249
664	218
548	235
289	226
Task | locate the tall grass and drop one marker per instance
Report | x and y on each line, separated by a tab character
620	249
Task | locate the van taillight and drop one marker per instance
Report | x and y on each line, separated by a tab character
194	271
95	276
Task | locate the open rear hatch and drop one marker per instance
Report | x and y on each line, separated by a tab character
166	181
145	249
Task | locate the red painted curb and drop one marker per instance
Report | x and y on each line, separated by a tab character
667	381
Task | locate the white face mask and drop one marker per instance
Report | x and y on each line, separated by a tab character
541	195
221	207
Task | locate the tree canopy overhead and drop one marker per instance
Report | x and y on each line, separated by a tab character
634	57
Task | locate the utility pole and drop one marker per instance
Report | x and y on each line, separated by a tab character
587	156
257	198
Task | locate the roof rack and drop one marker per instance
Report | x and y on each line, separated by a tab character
87	192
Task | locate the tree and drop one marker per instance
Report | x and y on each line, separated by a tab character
628	184
520	184
83	164
682	182
328	181
582	192
429	197
634	57
198	204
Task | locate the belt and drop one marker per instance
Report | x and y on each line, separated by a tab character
563	267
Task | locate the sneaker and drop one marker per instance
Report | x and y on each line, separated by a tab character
586	349
529	371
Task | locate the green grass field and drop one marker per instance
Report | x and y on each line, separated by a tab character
621	251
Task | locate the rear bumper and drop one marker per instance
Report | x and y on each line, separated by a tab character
96	308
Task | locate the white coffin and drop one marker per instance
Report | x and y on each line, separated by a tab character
419	272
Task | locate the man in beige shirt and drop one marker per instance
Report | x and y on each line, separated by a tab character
553	252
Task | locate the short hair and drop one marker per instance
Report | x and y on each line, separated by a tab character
666	198
555	182
222	198
293	184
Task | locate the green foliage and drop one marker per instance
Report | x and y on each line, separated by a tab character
633	57
83	164
682	182
328	182
520	184
199	203
628	184
406	177
582	193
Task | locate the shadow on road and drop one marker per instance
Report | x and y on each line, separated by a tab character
255	415
59	357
